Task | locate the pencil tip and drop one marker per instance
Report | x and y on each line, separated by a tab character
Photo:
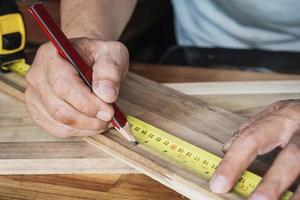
126	132
134	143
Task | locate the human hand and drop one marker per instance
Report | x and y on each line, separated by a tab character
277	126
60	102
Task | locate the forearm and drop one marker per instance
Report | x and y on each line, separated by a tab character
98	19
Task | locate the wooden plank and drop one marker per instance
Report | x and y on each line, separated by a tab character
245	98
15	127
26	149
246	104
193	121
90	187
16	131
134	100
98	165
179	74
212	134
245	87
12	89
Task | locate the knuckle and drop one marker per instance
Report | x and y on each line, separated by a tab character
246	139
288	108
59	86
112	65
227	162
227	165
44	49
101	126
61	114
114	71
87	107
277	105
269	187
293	150
118	46
110	69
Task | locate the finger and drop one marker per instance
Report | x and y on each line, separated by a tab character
281	175
260	138
70	88
266	112
64	113
244	126
44	120
296	195
108	71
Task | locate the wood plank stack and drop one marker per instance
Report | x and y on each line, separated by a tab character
190	118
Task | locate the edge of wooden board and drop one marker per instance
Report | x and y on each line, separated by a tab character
172	176
192	190
61	166
236	87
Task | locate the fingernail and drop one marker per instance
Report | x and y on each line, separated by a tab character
258	197
104	115
106	91
218	184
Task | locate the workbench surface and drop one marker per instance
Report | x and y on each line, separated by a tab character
118	186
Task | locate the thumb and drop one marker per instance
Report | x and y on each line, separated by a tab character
108	70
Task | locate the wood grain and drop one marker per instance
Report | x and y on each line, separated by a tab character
93	187
185	117
245	87
143	105
15	126
179	74
26	149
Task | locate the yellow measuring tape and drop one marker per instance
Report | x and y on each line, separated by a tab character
192	158
18	66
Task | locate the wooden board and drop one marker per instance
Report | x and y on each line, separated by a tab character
26	149
88	187
245	87
21	140
163	115
15	125
245	98
179	74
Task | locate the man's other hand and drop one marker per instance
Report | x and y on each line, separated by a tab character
277	126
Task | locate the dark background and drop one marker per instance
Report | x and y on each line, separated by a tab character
148	34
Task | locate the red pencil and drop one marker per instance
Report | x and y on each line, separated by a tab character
67	51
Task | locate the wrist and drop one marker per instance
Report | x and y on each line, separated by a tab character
72	33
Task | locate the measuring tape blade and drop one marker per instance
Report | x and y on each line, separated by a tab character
18	66
192	158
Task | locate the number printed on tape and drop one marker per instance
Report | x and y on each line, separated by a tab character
192	158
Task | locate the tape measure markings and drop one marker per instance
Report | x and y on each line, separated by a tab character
194	159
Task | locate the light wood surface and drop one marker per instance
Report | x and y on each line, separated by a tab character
179	74
245	87
18	185
26	149
140	161
92	187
